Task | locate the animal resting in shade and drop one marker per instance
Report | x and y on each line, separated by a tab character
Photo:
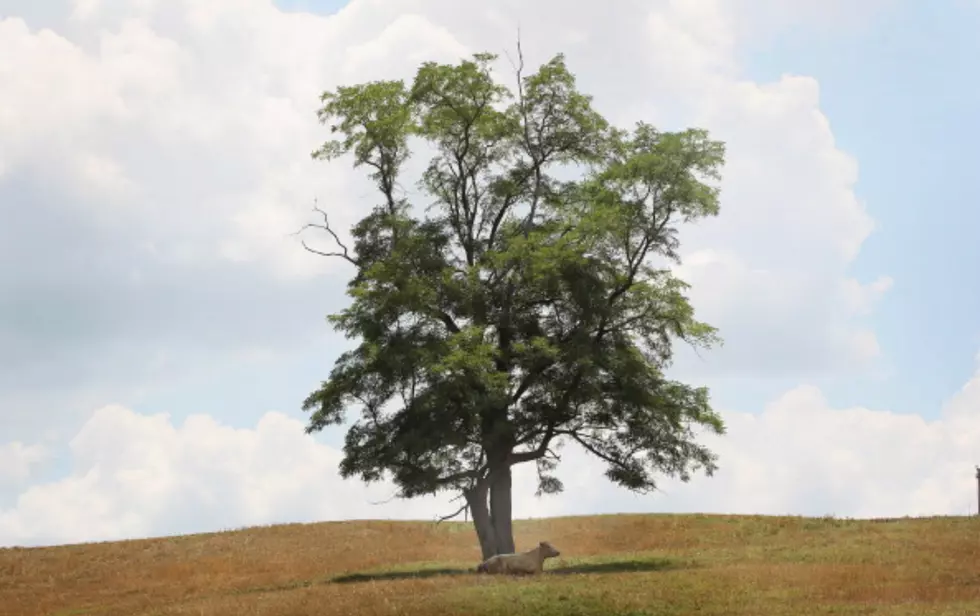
522	563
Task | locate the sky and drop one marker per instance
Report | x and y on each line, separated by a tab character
160	325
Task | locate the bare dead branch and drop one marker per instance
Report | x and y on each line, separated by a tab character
511	60
345	255
454	514
387	500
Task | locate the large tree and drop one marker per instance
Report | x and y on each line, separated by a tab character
520	311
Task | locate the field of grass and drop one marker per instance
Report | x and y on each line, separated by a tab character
619	565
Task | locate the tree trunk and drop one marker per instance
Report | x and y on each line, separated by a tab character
485	532
501	510
493	523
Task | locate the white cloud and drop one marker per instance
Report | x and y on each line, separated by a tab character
801	456
771	271
761	20
860	299
780	320
853	461
136	475
17	460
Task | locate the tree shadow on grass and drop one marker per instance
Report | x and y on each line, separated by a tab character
633	565
638	565
399	575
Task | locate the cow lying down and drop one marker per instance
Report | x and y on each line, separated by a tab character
523	563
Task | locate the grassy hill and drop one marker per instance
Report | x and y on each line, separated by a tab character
617	565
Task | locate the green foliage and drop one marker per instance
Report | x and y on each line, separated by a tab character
521	311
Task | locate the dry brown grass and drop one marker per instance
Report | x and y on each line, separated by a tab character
629	564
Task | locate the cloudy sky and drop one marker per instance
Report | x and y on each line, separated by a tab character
159	326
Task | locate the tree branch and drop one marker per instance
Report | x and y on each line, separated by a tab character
471	474
519	457
611	460
345	255
536	162
447	321
387	500
578	438
528	380
455	513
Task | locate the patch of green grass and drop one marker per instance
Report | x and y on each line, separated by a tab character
604	564
558	591
543	597
405	571
620	563
292	585
78	612
648	593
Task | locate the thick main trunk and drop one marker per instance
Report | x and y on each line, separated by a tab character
493	521
501	509
477	501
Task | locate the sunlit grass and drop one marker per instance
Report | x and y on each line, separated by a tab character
662	565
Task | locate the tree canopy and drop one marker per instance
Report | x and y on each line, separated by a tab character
515	311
